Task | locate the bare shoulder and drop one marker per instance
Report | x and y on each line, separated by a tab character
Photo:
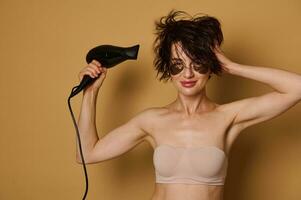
230	108
147	117
148	121
227	111
152	111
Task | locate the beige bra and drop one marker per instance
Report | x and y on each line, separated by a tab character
201	165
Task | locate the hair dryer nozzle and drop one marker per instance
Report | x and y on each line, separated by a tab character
132	52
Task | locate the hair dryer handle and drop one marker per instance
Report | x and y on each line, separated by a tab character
87	80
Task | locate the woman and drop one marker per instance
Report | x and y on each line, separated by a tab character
193	135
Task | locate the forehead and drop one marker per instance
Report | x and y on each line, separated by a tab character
178	54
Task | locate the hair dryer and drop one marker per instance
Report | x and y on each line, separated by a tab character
108	56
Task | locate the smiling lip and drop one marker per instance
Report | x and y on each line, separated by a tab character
188	84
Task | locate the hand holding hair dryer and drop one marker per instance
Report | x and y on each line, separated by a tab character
108	56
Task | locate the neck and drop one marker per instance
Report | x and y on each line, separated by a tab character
193	104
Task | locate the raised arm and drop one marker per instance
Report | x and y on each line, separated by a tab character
116	142
250	111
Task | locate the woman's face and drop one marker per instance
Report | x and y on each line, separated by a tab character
188	77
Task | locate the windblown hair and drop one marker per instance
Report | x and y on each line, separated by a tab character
198	36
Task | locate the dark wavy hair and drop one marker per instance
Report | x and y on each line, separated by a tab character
198	36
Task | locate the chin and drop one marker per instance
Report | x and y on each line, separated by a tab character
189	91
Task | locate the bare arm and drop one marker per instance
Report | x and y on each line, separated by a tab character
86	125
118	141
114	143
250	111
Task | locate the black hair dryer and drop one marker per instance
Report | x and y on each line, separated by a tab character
108	56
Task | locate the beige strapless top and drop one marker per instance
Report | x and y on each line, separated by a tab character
201	165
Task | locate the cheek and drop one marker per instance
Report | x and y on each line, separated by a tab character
202	77
174	78
175	81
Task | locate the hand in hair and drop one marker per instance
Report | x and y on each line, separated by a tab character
226	62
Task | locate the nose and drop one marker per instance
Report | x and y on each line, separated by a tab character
188	72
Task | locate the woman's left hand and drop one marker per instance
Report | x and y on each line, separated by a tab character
226	62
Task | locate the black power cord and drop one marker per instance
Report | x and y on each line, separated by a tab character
108	56
79	141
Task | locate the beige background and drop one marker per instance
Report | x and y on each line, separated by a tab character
43	46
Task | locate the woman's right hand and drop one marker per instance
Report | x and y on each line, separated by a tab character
94	70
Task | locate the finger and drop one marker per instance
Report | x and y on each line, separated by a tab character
98	64
85	73
104	70
93	71
88	71
94	68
